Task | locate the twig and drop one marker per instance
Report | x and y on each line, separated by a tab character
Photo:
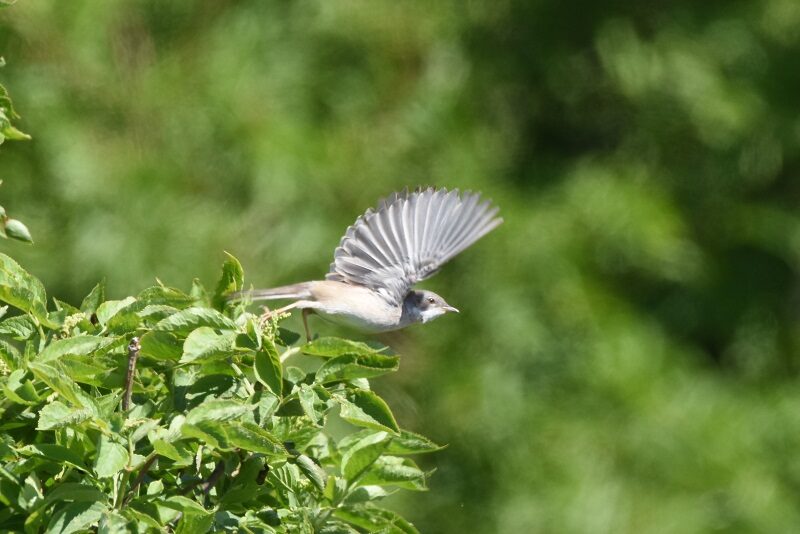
207	484
133	354
212	479
140	477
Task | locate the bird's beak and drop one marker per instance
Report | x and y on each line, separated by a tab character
450	308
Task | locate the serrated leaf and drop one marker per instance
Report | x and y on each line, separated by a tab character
374	519
350	366
165	296
175	452
189	319
364	494
111	457
55	452
185	505
20	327
396	471
74	492
232	279
110	308
358	458
58	415
212	433
20	390
251	437
75	517
160	346
268	368
411	443
112	523
78	345
58	380
95	297
23	290
203	344
365	409
314	472
330	347
218	410
308	398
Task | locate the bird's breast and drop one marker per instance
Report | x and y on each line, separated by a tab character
355	306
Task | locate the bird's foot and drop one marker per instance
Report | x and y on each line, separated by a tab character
265	317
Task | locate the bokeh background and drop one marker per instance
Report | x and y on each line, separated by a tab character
627	358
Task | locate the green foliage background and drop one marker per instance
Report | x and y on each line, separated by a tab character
627	359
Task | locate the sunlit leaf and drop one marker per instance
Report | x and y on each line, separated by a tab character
364	408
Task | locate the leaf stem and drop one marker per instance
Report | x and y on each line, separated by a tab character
133	354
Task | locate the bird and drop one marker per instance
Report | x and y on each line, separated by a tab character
406	239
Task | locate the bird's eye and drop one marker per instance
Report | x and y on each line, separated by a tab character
430	299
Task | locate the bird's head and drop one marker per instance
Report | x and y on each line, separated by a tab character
425	306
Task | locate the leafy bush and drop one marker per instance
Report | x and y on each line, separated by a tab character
221	430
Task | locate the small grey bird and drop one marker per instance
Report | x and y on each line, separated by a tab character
383	254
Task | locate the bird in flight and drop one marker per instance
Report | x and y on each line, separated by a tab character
405	240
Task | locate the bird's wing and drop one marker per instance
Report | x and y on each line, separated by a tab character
408	238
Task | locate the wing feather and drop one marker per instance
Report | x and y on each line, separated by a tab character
409	237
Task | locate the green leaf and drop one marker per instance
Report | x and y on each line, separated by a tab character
365	409
329	347
286	337
58	453
189	319
363	494
185	505
268	368
60	382
363	454
314	472
251	437
160	346
20	327
95	297
74	492
395	471
232	279
218	410
166	296
374	519
110	308
17	230
20	390
75	517
212	433
411	443
78	345
349	366
308	399
204	344
175	452
23	290
58	415
111	457
112	523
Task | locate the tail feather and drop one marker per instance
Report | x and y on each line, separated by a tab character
293	291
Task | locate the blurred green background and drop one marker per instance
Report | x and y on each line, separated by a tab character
627	358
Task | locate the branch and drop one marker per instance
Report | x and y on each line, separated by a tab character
133	354
140	477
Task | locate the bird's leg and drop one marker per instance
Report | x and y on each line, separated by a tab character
268	314
306	313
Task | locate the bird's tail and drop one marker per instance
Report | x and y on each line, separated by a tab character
294	291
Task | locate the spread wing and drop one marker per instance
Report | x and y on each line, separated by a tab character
408	238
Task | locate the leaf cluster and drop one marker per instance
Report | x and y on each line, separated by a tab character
232	425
